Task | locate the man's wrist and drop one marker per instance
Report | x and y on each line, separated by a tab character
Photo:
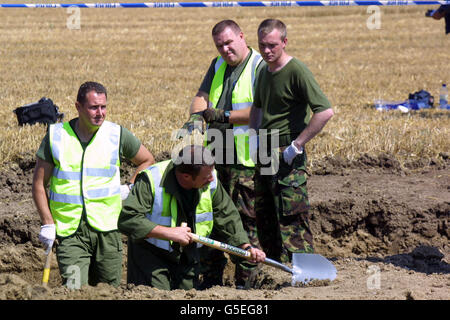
226	116
298	146
196	116
47	224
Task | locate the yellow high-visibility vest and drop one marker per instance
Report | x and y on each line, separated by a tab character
88	179
242	97
165	209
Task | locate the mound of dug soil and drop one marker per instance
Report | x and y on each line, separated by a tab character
384	226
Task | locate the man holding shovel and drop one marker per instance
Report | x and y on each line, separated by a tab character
285	94
161	253
80	161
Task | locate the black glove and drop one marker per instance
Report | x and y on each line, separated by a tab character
213	114
429	13
195	122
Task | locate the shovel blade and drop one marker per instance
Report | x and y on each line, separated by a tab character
308	266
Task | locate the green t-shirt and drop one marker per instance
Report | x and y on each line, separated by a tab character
129	144
284	97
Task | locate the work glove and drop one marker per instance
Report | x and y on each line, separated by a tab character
125	190
213	114
291	152
195	122
429	13
47	236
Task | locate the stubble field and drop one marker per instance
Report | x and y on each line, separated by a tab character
379	182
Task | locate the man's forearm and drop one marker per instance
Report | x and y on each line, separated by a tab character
240	116
176	234
255	118
316	124
141	167
41	176
143	159
41	202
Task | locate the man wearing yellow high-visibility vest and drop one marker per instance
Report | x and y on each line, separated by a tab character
161	253
80	161
223	101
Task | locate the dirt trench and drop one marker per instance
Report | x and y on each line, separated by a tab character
368	214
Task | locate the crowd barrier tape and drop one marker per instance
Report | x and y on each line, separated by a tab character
225	4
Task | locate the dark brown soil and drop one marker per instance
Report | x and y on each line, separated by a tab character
370	217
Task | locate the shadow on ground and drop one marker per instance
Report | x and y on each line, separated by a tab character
424	259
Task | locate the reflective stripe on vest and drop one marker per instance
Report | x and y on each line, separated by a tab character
88	179
242	97
165	209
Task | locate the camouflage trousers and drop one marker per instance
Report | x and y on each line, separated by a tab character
238	181
281	206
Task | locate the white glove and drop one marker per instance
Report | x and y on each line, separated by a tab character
47	236
125	190
291	152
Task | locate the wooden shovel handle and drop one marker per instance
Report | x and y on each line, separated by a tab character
219	245
233	250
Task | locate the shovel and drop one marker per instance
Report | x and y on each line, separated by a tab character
306	266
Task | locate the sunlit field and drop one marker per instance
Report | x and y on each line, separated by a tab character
152	62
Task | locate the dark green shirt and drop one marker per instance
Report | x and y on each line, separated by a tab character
129	144
134	223
287	97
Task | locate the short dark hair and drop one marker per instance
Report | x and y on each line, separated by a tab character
192	158
87	87
268	25
222	25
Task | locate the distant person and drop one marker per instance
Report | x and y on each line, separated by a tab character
161	253
79	162
223	101
285	95
442	12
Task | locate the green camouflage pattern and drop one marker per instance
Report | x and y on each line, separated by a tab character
195	122
238	182
212	266
281	206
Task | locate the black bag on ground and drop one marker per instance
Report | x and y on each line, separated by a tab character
422	98
43	111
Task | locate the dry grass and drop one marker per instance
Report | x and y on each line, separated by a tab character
153	60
